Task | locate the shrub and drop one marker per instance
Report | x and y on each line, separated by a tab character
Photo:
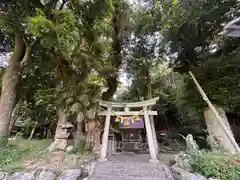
8	156
80	147
3	141
215	164
13	155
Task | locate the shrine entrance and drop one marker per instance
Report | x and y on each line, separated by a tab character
131	119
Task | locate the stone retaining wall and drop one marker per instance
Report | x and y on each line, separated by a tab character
70	174
81	172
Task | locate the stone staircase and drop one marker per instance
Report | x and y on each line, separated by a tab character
126	170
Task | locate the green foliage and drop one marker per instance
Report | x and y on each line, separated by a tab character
80	47
14	15
169	86
219	79
59	33
213	164
80	147
37	92
3	141
192	28
40	25
8	157
19	150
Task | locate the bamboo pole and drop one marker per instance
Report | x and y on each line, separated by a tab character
33	130
205	98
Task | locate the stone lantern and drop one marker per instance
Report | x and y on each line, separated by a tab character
61	138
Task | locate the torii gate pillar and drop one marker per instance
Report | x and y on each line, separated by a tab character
104	148
154	134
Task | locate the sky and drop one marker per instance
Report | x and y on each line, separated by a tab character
3	59
123	79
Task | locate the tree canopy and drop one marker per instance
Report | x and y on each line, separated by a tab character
69	54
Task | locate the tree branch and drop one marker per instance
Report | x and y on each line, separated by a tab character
27	52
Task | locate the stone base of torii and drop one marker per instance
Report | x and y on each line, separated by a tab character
148	118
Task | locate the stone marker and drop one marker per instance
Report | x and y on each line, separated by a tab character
191	144
72	174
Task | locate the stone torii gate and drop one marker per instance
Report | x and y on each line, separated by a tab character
148	118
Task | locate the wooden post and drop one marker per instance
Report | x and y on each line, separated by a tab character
151	145
33	130
154	134
205	98
104	148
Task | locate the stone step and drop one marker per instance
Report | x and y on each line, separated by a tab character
113	177
130	166
146	164
131	170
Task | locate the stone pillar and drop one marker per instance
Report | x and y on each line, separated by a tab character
104	148
151	146
154	134
217	137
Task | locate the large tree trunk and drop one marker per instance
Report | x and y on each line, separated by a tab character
50	129
112	80
13	120
93	130
217	137
112	84
9	85
93	135
61	119
149	85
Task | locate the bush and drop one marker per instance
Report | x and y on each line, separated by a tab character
8	158
3	141
214	164
80	147
19	150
